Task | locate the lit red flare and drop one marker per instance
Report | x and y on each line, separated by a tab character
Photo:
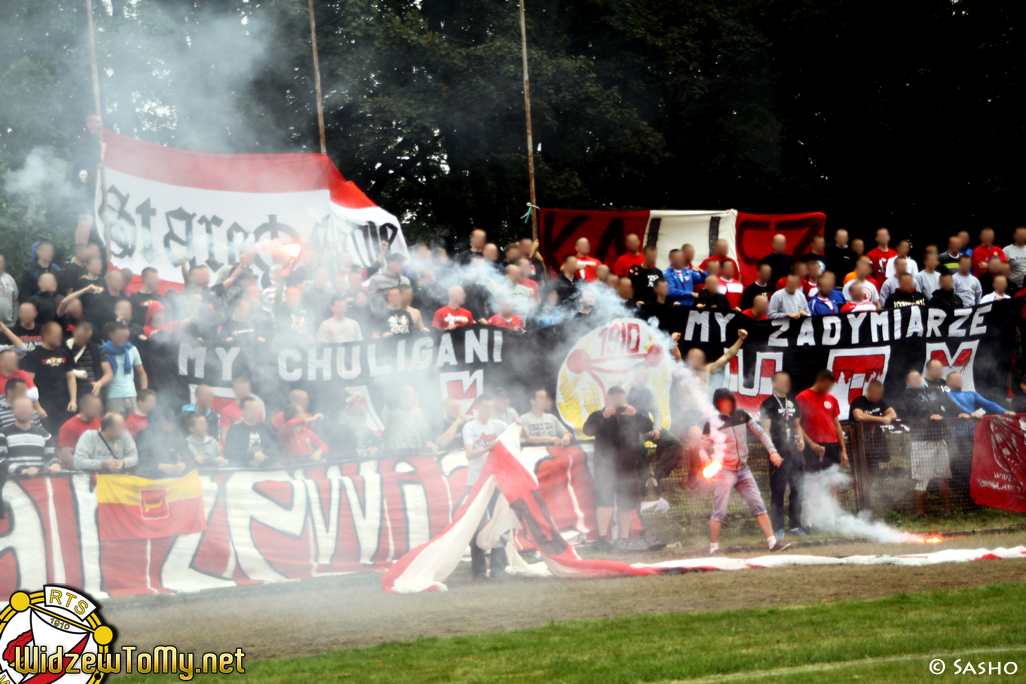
710	470
293	249
935	539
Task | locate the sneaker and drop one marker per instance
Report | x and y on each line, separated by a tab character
717	552
622	546
653	544
501	576
778	547
604	545
779	534
797	531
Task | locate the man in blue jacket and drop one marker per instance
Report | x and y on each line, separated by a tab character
681	279
971	402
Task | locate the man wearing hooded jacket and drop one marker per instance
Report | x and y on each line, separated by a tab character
732	454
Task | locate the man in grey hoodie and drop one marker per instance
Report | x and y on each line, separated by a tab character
382	281
731	452
110	449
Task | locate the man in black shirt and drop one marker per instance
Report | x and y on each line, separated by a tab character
101	310
568	284
781	419
478	238
618	430
669	449
395	321
906	294
89	362
250	443
874	416
644	276
945	296
817	254
51	368
163	451
42	263
660	306
147	294
710	299
762	286
839	256
778	261
46	298
75	269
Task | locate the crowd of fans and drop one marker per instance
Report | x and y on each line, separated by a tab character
76	393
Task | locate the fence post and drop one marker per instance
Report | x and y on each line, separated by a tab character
860	467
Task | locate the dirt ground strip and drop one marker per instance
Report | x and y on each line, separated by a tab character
313	616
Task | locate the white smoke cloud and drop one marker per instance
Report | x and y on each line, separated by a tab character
822	511
43	180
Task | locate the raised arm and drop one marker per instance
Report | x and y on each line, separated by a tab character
719	363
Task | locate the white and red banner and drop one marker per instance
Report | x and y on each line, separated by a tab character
167	206
264	526
999	463
522	508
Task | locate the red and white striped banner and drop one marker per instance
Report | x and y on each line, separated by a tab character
167	205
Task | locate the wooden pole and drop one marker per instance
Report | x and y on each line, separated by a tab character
530	138
317	78
99	112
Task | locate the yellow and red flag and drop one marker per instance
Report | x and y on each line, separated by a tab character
136	508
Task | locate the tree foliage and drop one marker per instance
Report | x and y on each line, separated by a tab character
898	114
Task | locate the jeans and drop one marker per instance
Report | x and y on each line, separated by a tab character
793	474
478	564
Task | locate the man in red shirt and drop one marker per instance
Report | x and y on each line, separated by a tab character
585	263
89	417
760	305
720	250
800	269
986	250
231	414
732	288
506	318
453	315
633	257
824	441
882	254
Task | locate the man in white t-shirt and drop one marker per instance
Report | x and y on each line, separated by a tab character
870	295
479	437
540	426
1016	253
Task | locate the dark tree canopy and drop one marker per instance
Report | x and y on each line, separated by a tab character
896	114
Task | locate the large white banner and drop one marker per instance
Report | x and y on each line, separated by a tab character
672	229
167	206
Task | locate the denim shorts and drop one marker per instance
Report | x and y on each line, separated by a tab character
744	482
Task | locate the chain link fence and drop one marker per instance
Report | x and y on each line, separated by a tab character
887	465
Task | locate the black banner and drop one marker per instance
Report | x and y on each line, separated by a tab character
577	361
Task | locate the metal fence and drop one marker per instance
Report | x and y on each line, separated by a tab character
884	463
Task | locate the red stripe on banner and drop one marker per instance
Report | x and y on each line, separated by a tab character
605	230
263	173
998	476
755	232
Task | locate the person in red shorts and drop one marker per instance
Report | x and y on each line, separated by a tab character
882	254
453	315
633	257
89	417
821	429
986	250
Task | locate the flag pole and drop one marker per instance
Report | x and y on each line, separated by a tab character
317	78
530	140
99	112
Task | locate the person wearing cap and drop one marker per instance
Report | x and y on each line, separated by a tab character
732	455
382	281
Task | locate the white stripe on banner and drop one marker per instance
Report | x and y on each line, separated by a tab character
697	228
